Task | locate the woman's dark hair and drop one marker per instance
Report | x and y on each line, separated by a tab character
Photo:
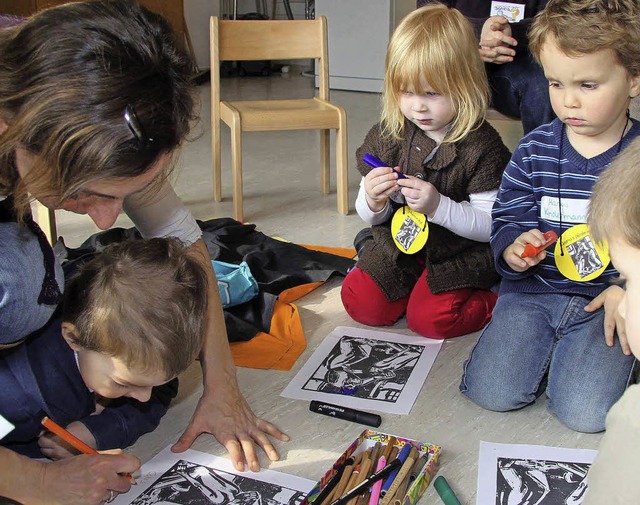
92	90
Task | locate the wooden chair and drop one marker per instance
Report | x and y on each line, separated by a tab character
275	40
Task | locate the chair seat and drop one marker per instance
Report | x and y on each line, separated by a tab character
276	115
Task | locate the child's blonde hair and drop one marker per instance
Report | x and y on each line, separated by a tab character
143	302
614	210
437	44
587	26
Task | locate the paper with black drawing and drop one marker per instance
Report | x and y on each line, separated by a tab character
540	475
366	370
197	478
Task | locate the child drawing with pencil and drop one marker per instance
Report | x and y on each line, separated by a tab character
614	216
106	369
429	205
556	328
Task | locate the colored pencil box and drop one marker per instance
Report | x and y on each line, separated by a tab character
367	439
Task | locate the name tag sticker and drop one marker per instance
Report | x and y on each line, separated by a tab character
512	11
573	210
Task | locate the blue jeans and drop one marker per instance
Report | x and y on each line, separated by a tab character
547	340
520	89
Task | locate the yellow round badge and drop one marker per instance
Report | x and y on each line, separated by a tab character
578	256
409	229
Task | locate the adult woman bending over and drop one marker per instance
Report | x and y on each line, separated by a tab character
95	99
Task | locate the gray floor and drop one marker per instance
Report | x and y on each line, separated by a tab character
282	198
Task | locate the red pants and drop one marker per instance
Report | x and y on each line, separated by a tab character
444	315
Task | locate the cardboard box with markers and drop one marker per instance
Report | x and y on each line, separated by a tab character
416	464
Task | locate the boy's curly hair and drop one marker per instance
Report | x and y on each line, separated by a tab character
586	26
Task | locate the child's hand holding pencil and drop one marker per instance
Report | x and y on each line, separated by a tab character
56	447
78	444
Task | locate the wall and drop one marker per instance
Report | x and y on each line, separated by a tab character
198	12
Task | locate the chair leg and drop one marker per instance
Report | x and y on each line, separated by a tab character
325	161
215	160
236	166
46	219
342	175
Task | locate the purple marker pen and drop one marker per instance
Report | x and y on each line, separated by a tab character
374	162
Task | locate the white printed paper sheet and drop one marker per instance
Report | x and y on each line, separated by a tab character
366	369
532	474
197	478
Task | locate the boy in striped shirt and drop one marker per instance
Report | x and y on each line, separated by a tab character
555	324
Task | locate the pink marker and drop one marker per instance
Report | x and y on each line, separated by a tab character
377	487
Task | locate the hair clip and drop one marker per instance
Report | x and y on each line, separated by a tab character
135	126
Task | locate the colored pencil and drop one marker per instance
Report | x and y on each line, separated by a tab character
72	440
387	449
364	473
375	489
367	483
339	489
333	482
404	471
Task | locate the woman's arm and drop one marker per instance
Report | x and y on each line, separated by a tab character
222	410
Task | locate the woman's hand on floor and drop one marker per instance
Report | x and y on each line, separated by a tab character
227	416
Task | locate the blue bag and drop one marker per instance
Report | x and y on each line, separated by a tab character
235	283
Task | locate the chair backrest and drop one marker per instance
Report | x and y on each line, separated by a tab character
249	40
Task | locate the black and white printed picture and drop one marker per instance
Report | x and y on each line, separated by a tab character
365	368
584	256
407	233
187	483
540	482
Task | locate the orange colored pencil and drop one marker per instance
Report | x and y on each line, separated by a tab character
74	441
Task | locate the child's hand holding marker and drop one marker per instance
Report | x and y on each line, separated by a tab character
374	162
528	249
380	183
55	447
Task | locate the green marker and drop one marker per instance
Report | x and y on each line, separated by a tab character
446	494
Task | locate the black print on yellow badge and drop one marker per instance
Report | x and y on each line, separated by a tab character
584	259
409	230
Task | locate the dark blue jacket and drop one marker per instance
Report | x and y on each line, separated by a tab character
41	377
478	11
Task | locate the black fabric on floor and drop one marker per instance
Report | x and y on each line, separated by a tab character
275	264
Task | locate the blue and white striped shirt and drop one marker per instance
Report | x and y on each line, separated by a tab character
547	189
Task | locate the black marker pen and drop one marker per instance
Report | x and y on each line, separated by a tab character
356	416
